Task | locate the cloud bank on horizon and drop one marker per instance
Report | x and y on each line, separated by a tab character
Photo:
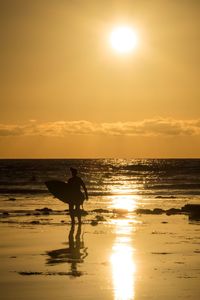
148	127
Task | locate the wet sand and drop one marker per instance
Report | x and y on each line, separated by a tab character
131	257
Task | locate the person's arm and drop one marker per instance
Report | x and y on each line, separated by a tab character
85	189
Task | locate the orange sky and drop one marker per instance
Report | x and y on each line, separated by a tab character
66	93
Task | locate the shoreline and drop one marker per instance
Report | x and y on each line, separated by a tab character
99	215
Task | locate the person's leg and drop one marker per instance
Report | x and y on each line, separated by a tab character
78	213
71	213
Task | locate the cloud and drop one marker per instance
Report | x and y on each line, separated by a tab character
148	127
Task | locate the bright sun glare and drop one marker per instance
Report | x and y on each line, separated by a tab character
123	39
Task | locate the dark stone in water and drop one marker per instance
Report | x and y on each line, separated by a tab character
158	211
30	273
100	218
143	211
165	197
36	214
94	222
173	211
161	253
194	215
35	222
5	213
45	209
191	208
12	199
74	273
100	210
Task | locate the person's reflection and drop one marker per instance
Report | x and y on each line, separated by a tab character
74	254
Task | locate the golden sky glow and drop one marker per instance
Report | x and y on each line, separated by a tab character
64	87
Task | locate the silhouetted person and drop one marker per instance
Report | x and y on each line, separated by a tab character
77	196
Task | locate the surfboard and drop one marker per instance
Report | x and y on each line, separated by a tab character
64	191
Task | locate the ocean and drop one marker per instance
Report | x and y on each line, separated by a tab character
117	252
112	183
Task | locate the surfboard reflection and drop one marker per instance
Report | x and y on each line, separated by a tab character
74	254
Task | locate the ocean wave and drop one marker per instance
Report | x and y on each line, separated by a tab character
182	186
22	191
156	192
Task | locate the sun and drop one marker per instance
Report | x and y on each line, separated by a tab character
123	39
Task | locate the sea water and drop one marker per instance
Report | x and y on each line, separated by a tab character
112	183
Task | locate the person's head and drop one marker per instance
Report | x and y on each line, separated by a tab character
73	171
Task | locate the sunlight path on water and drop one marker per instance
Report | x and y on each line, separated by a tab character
124	197
122	261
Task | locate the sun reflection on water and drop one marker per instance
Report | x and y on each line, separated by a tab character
126	202
122	262
124	197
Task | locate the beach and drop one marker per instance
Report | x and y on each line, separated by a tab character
129	257
137	239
